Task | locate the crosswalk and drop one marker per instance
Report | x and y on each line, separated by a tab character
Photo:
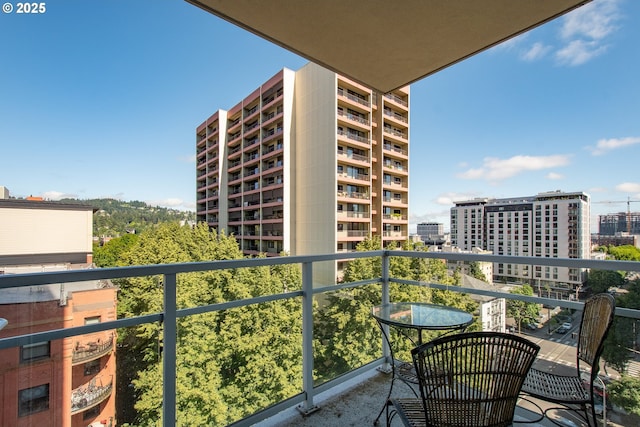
633	369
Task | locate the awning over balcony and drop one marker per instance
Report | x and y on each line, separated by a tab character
387	44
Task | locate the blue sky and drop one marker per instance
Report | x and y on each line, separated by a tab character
101	99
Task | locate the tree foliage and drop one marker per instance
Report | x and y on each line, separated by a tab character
116	218
109	254
346	334
601	280
623	335
625	393
231	363
624	253
522	311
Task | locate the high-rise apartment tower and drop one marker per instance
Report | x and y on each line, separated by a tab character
550	225
308	163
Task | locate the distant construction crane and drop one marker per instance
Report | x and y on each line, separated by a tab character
628	202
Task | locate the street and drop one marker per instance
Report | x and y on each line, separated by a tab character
558	355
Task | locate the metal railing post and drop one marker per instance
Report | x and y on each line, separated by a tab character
169	341
386	351
307	406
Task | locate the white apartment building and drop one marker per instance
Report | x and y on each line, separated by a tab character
553	225
308	163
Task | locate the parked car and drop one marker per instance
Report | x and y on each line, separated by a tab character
566	325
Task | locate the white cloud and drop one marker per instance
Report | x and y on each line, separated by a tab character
577	52
188	159
584	30
167	203
536	51
628	187
447	199
605	145
173	203
494	169
512	43
595	20
554	176
57	195
598	190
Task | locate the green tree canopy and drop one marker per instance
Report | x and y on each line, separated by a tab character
476	271
625	393
625	252
231	363
346	334
623	333
522	311
601	280
109	254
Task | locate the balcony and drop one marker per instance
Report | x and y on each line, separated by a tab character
355	396
91	351
86	397
353	97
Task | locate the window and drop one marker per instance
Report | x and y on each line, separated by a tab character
92	367
32	400
35	351
91	414
91	320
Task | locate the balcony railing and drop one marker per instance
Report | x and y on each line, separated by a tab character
88	396
90	351
168	315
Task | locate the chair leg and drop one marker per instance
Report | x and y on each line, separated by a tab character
389	414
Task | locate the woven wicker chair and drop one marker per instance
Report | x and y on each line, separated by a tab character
576	391
466	380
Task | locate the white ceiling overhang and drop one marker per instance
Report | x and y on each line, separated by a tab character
387	44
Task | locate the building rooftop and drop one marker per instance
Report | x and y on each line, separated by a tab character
52	292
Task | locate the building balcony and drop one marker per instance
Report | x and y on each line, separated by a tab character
358	158
353	177
353	98
395	133
352	136
395	116
91	350
353	195
269	98
353	397
395	217
353	119
396	150
353	214
399	169
396	99
88	396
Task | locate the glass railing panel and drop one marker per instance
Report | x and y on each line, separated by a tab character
345	335
138	389
53	380
233	363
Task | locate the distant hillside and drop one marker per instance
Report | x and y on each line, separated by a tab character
115	217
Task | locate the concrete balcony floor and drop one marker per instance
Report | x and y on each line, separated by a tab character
357	403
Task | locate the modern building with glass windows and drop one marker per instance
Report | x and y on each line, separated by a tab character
550	225
308	163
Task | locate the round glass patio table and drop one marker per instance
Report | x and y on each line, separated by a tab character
418	316
421	316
